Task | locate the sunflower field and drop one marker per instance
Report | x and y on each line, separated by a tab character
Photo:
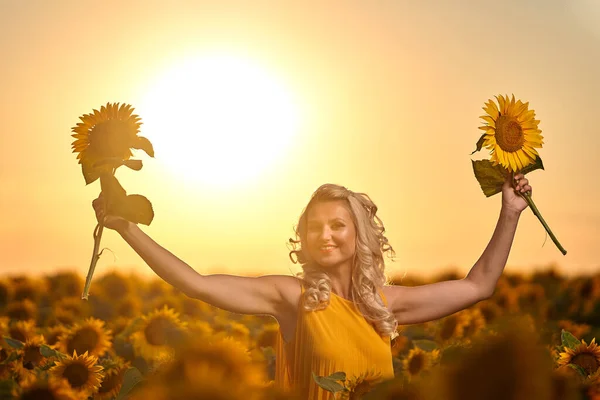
136	338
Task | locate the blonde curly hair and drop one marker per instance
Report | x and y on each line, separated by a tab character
368	267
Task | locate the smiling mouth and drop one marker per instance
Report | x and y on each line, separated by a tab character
327	249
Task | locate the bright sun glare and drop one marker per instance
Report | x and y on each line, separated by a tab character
219	119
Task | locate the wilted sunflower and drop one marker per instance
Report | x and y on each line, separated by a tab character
511	133
110	133
46	388
82	373
87	336
586	356
156	333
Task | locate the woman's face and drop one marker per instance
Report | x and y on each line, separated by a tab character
330	233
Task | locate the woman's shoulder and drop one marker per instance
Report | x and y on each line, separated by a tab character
290	288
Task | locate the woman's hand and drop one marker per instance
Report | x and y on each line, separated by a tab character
118	224
511	192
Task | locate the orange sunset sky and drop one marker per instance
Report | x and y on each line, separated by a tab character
251	105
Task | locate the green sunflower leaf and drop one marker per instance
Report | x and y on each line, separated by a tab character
338	376
568	340
48	351
131	378
490	177
479	143
14	343
424	344
328	384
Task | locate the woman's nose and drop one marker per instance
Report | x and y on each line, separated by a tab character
325	234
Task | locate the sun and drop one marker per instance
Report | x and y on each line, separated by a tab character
219	119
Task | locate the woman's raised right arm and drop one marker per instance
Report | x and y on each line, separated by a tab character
268	295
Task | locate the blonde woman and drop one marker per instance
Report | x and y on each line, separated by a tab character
338	315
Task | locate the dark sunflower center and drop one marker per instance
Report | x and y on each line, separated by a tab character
509	134
157	331
448	328
415	364
32	356
86	339
111	138
586	361
76	374
39	393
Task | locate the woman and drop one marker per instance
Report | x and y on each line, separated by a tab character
338	315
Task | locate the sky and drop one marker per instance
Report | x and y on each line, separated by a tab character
252	105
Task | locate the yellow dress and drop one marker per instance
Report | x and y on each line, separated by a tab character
338	338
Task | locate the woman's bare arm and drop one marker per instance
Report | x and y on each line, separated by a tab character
412	305
267	294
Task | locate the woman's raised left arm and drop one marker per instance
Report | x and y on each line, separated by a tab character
424	303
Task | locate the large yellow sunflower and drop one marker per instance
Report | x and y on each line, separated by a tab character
107	134
87	336
82	373
511	133
586	356
156	332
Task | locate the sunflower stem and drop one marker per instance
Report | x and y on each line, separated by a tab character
95	257
95	254
529	200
